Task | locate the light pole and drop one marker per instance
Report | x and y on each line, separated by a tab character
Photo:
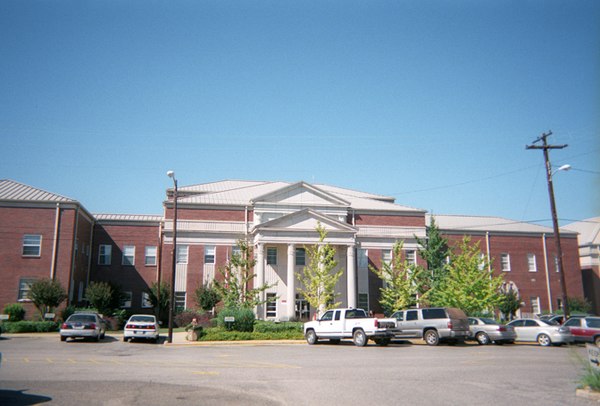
549	173
171	175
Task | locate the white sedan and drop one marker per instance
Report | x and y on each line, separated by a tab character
538	330
142	326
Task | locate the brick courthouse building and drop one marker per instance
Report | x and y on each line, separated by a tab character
47	235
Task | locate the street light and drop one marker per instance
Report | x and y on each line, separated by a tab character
171	175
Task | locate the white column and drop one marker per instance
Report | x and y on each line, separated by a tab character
351	276
291	282
260	277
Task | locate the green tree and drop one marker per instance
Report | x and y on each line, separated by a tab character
234	287
47	295
434	251
469	283
104	297
207	297
509	303
319	277
579	305
402	282
158	295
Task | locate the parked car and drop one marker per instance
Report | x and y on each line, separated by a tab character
583	329
433	324
556	320
486	330
338	324
538	330
83	325
142	326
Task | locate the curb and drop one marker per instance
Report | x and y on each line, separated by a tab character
587	393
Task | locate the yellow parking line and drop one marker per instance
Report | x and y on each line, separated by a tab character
72	361
50	360
26	360
205	373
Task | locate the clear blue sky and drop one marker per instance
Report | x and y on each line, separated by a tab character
432	102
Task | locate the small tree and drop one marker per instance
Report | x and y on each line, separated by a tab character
319	277
237	275
469	283
434	251
510	302
158	296
47	295
207	297
104	297
402	282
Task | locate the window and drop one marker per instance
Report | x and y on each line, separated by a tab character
180	301
150	256
531	265
386	257
104	254
80	292
24	288
505	262
556	267
338	315
363	258
209	254
363	301
328	316
411	257
271	305
535	304
126	301
146	303
32	245
182	254
482	259
434	314
411	315
300	256
271	255
574	322
128	255
236	251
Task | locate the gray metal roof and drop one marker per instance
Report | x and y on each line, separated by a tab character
127	217
15	191
491	224
588	229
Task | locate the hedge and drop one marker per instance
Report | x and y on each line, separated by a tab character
25	326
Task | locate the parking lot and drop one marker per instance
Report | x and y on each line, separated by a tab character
41	369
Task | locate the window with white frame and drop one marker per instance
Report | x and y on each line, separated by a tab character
481	264
150	255
146	302
363	258
300	256
531	264
209	254
179	301
104	254
505	262
535	304
182	254
271	255
556	267
271	305
386	257
237	251
32	245
126	299
24	289
411	257
128	255
363	301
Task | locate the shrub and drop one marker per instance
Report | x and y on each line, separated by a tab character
67	311
207	297
244	319
104	296
15	311
46	295
24	326
272	327
220	334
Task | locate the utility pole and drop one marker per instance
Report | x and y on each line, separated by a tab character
545	147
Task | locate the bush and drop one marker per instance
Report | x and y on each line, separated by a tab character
185	317
30	326
15	311
47	295
272	327
220	334
244	320
104	296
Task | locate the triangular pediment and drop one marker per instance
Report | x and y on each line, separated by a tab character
300	194
306	220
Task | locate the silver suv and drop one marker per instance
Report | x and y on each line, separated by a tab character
432	324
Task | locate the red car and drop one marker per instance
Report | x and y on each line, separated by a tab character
584	329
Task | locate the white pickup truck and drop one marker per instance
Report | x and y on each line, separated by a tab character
338	324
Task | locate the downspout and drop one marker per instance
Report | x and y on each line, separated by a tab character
75	229
487	246
55	245
89	268
547	273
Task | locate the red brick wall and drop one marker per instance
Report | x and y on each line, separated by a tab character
373	220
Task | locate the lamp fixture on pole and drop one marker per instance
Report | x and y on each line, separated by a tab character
171	175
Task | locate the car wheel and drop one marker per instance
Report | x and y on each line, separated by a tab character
125	339
544	340
97	338
431	337
63	338
311	337
482	338
102	335
382	341
359	338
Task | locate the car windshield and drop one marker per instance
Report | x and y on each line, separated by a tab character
552	322
145	319
82	318
488	321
